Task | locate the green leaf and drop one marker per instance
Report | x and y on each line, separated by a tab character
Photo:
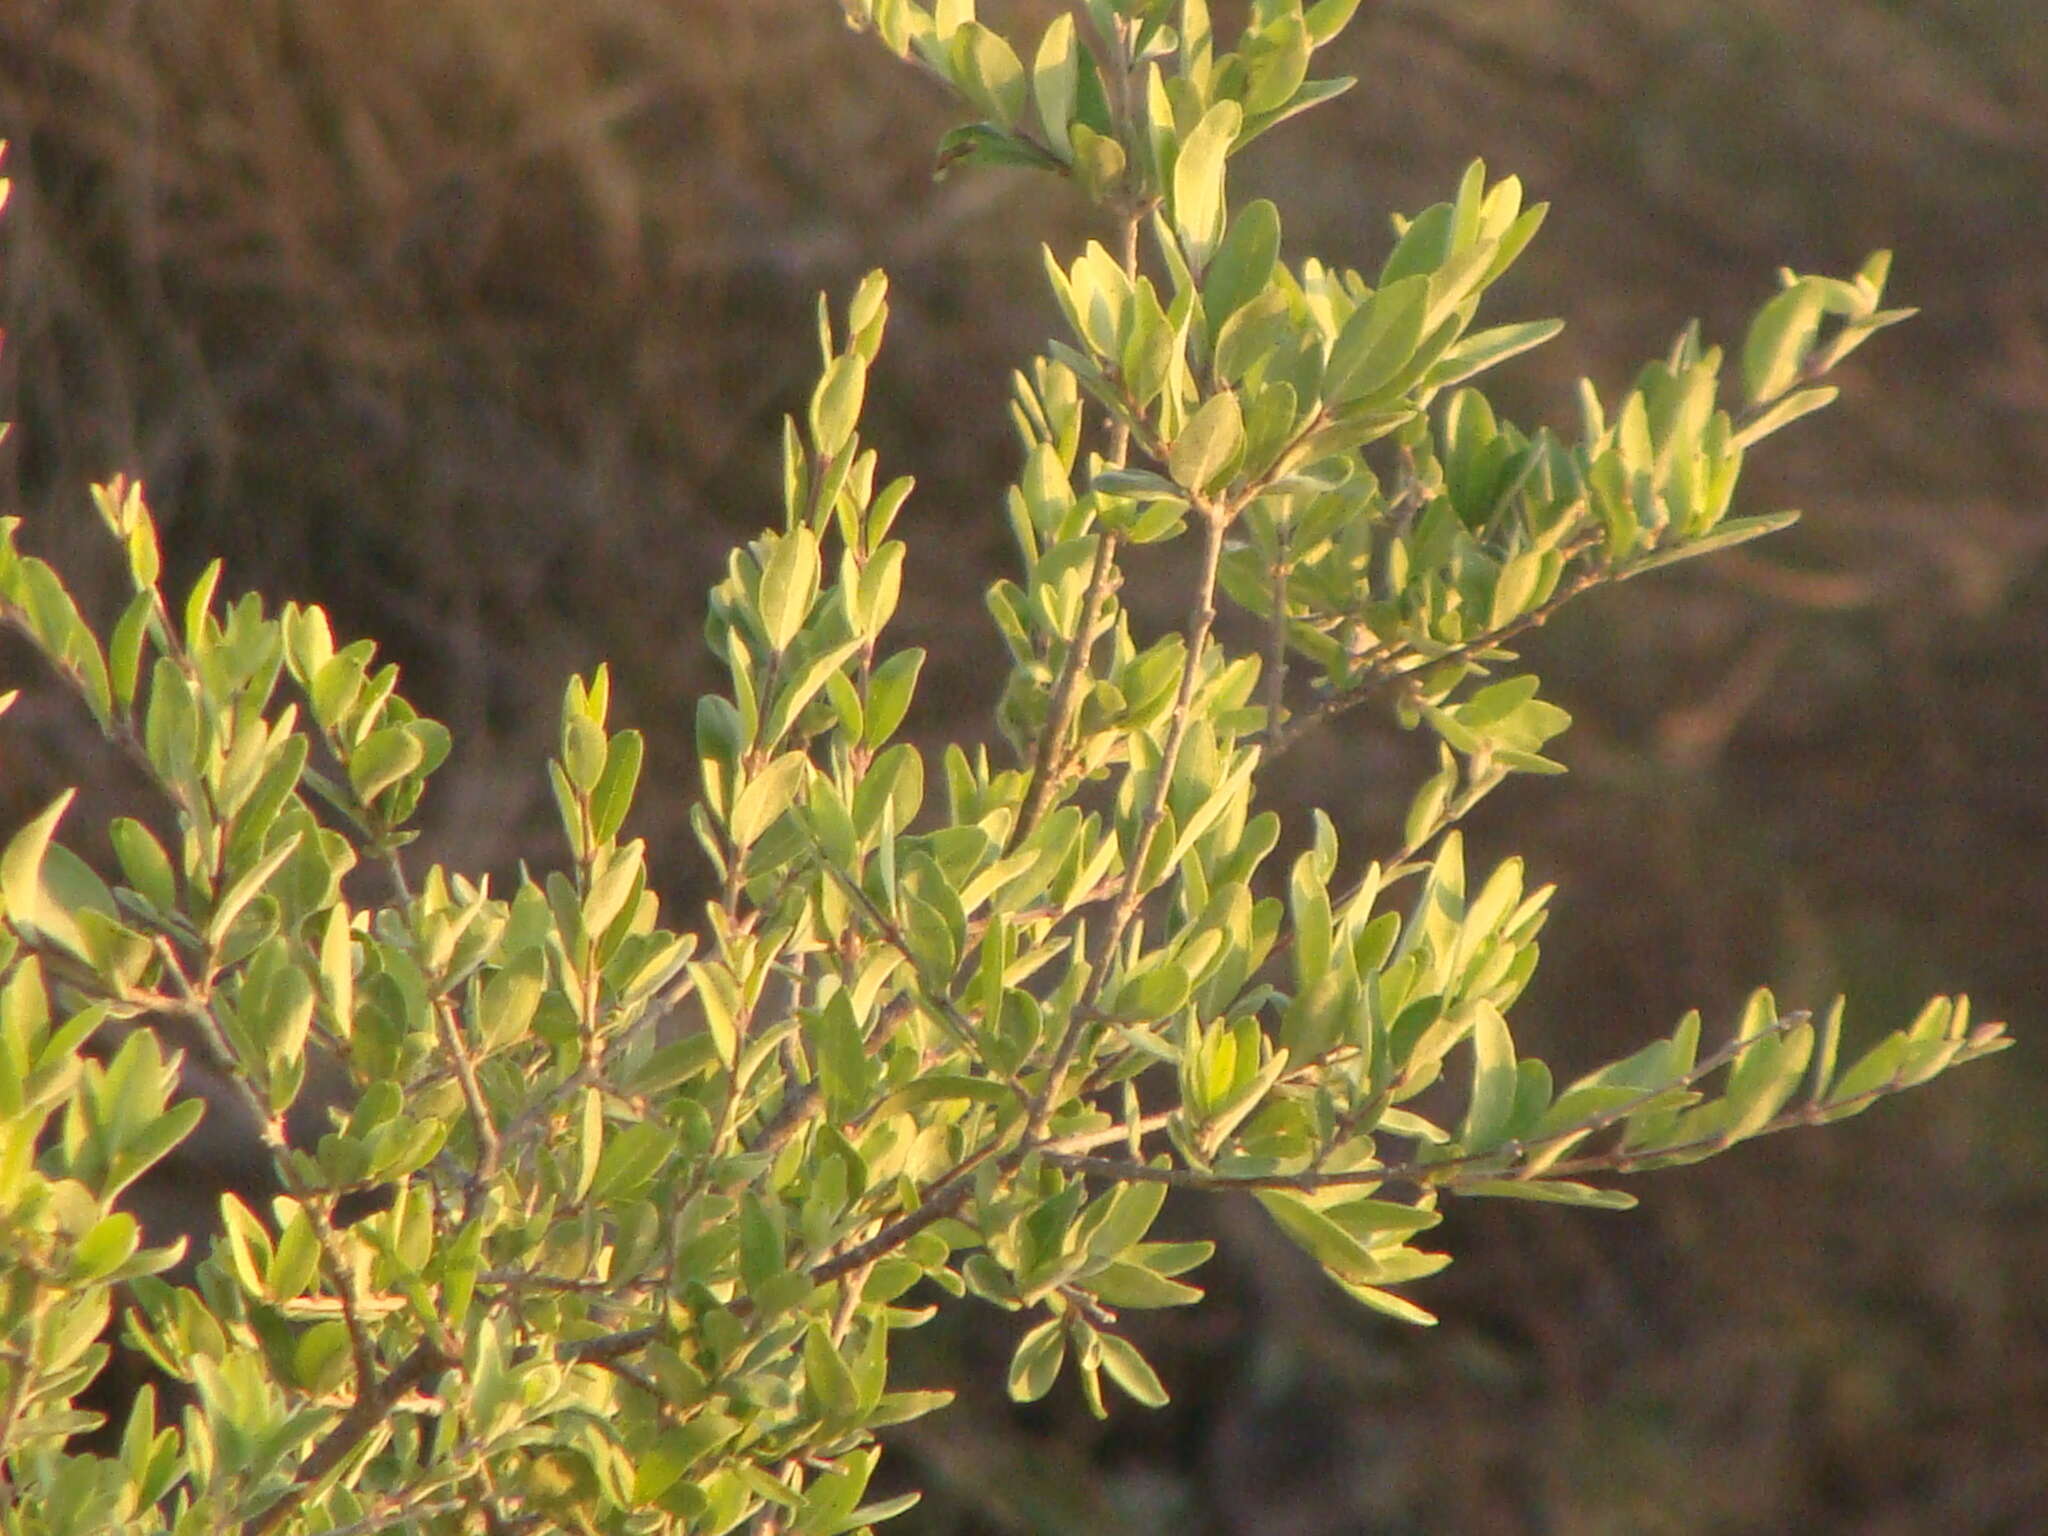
247	887
386	756
1206	452
1312	93
1820	1070
879	586
835	408
800	686
1423	247
1243	264
1131	1371
583	751
1371	1221
767	795
986	144
1036	1364
148	1146
1132	1285
1736	530
844	1071
987	68
1138	484
1126	1215
1487	349
890	690
678	1450
1553	1191
1156	993
940	1087
1876	1070
334	687
296	1261
1277	60
762	1258
1764	1078
1055	74
1099	160
903	1407
23	900
199	604
826	1373
1198	183
1493	1081
510	999
1326	18
1785	411
789	585
631	1161
249	1249
612	797
1377	341
1151	343
1778	340
125	649
1386	1301
1317	1235
588	1144
144	863
105	1248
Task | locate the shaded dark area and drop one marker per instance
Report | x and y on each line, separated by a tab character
474	322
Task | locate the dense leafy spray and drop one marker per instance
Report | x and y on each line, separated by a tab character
654	1201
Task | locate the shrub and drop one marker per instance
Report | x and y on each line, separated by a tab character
654	1201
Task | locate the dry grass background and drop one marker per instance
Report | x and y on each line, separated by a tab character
473	320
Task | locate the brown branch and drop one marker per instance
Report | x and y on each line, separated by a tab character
941	1203
1276	652
370	1410
1066	695
1368	685
193	1006
787	1121
1048	766
608	1346
1132	895
941	1007
1446	1173
488	1147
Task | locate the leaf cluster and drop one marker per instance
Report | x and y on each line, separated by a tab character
658	1197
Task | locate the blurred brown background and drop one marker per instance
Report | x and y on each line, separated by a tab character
473	320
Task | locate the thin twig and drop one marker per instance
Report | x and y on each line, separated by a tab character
939	1204
1047	769
1276	650
1366	687
271	1127
1066	694
1200	621
479	1112
370	1410
1449	1173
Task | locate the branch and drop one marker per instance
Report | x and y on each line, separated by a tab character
488	1147
1047	768
338	1274
941	1007
1276	651
1383	669
1444	1173
941	1203
370	1410
1133	894
608	1346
